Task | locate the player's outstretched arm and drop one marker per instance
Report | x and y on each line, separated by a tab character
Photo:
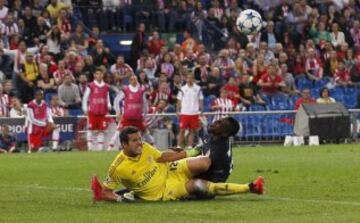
177	154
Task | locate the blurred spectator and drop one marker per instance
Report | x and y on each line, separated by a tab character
3	10
221	105
167	67
55	7
101	55
150	69
232	90
213	84
189	43
290	86
121	69
61	72
355	34
54	41
331	64
155	43
4	103
337	37
78	40
313	66
259	69
325	97
8	88
138	44
202	69
83	81
269	36
342	75
162	93
7	141
305	99
189	60
248	93
175	87
69	93
145	82
44	81
17	109
225	63
271	82
355	70
29	72
5	65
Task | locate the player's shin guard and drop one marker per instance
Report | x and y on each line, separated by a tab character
226	188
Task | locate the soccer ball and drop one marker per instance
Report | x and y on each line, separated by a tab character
249	22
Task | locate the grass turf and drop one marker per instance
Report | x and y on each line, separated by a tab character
306	184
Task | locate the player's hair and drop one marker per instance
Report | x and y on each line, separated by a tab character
124	135
233	127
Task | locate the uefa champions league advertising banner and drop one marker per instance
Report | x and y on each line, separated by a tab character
67	127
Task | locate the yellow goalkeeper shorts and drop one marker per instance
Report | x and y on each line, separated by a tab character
178	176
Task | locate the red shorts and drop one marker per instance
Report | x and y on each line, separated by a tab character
137	123
37	137
189	121
97	122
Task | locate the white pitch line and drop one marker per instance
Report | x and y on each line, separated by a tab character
39	187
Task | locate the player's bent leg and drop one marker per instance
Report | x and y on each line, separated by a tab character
198	165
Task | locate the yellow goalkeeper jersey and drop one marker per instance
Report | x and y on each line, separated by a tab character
141	174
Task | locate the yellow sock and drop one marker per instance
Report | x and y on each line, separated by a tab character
227	188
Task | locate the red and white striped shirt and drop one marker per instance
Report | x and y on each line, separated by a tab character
122	70
4	105
57	111
225	105
153	121
60	74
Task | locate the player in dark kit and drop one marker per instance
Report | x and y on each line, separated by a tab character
217	144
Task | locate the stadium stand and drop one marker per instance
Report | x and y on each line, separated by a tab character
86	34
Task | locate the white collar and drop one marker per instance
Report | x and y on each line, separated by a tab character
101	84
134	89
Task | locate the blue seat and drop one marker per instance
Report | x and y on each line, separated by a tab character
75	112
48	96
303	83
315	92
320	83
338	94
350	100
257	107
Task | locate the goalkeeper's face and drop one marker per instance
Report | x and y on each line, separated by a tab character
134	145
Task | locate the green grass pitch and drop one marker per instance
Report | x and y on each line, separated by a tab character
305	184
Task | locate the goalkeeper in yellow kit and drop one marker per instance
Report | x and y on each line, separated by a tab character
153	175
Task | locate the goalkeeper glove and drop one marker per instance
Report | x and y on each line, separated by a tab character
126	197
193	152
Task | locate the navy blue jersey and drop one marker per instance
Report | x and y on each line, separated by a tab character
220	153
